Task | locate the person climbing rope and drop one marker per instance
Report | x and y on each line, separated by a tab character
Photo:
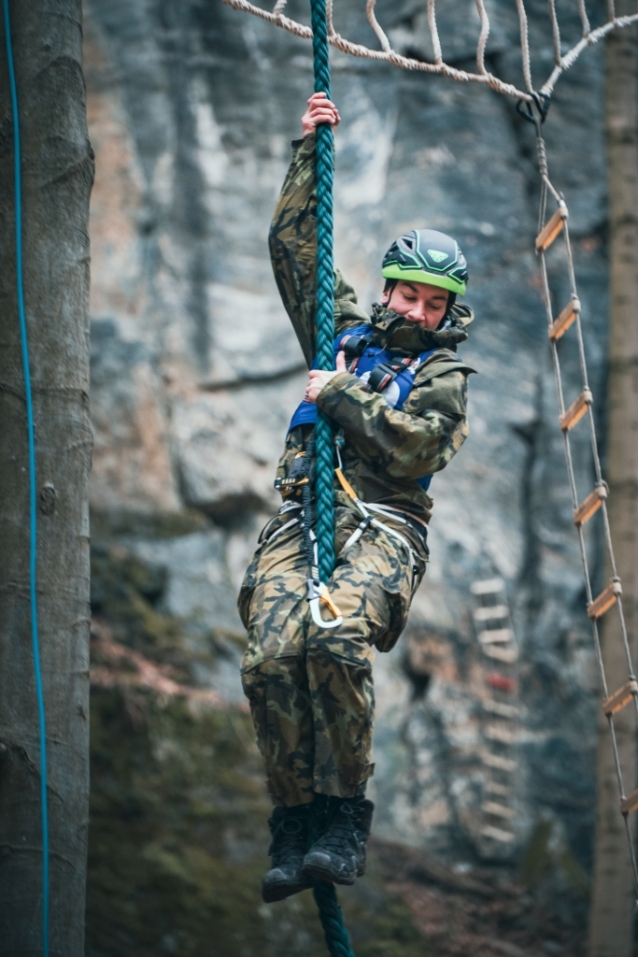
397	403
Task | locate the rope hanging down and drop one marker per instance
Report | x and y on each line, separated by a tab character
581	408
387	54
324	319
325	895
33	527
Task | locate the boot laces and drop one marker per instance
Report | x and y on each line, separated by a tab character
288	841
342	830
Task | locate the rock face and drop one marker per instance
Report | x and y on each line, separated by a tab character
196	371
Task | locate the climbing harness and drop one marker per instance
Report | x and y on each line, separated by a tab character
300	481
381	370
376	366
365	509
33	526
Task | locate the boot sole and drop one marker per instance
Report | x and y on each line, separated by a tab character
275	891
318	867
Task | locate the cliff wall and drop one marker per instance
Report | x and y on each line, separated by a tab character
195	371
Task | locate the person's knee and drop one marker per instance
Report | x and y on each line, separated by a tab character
330	652
277	690
270	674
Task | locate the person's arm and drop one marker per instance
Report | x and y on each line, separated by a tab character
293	238
419	440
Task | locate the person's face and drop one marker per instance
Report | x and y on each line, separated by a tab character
417	301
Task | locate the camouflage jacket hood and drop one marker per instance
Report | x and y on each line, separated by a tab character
398	334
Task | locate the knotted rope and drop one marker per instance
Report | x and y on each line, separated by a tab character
330	914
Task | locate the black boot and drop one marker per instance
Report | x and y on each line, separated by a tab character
290	828
339	855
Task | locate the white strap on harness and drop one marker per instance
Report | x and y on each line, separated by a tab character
365	509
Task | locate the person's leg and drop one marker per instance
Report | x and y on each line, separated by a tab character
274	610
372	587
272	605
277	690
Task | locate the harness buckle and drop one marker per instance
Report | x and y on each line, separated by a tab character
300	473
317	592
386	372
354	346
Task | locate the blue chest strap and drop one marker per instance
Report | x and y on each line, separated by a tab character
383	371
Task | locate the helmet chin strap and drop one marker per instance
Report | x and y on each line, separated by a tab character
448	312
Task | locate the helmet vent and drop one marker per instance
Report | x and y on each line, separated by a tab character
437	255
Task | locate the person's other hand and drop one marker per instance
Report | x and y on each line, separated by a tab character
317	379
320	110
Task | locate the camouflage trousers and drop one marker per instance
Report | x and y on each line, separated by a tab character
310	689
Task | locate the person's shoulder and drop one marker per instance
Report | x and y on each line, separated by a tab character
441	362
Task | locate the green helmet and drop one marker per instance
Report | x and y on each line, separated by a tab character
425	255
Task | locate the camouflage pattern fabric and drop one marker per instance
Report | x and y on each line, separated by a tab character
385	450
310	689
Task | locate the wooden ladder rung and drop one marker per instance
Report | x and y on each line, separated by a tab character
495	732
501	682
506	655
503	790
630	803
487	587
617	701
560	325
503	710
576	411
551	229
495	636
590	505
498	762
498	810
490	612
607	598
497	834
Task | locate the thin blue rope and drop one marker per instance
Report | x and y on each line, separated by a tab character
33	525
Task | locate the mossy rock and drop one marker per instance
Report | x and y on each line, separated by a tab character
178	844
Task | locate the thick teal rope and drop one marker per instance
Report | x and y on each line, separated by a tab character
330	915
324	319
33	526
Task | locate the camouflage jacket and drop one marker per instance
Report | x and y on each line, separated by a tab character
385	450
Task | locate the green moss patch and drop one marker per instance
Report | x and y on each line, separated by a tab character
178	844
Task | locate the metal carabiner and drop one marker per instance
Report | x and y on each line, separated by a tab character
317	592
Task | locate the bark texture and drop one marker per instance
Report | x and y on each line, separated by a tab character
613	892
57	176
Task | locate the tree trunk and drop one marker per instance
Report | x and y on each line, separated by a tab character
57	170
613	893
